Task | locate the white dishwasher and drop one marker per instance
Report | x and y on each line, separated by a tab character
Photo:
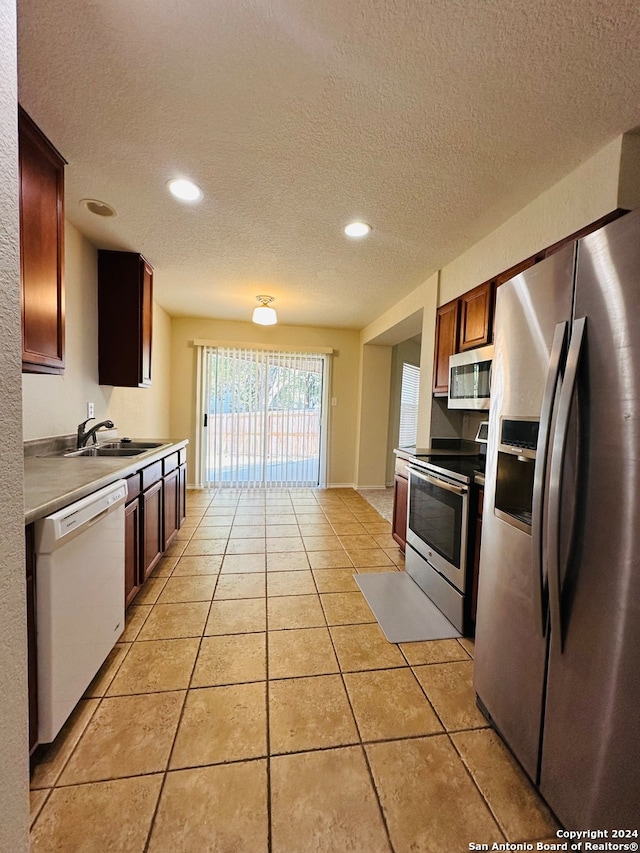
79	599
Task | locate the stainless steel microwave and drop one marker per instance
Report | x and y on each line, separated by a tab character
470	379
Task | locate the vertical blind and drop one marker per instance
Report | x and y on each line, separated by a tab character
409	395
264	417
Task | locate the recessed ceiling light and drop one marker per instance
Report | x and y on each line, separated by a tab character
357	229
184	190
100	208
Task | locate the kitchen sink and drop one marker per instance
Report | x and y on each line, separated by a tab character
107	451
142	445
111	448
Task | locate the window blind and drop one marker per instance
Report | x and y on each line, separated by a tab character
409	396
264	417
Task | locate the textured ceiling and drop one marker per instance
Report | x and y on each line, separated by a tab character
433	120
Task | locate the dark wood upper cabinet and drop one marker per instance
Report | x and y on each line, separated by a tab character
125	319
41	249
476	316
447	328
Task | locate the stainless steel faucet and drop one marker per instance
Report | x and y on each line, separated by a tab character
83	437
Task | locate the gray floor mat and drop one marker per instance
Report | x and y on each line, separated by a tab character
403	611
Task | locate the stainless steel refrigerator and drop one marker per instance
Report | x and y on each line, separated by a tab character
557	661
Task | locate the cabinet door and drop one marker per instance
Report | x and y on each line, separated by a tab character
476	316
41	250
182	495
400	500
32	656
447	325
125	319
132	578
171	501
151	536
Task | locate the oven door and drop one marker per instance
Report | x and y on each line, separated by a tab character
437	523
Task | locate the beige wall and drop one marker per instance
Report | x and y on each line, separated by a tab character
406	352
415	314
373	417
344	380
14	746
146	412
55	405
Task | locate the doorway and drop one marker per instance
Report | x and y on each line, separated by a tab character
264	418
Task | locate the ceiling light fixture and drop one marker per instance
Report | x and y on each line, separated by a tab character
185	190
263	314
357	229
100	208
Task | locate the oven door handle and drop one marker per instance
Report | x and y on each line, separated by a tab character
441	484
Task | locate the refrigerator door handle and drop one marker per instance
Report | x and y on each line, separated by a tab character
555	479
558	347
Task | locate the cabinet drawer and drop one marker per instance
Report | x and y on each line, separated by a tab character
170	463
183	455
151	474
133	486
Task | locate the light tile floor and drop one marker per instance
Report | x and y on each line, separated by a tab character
253	705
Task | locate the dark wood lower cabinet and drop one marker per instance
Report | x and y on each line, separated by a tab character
171	501
132	579
153	516
151	524
400	500
182	494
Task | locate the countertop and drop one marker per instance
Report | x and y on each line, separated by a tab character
440	447
460	464
53	482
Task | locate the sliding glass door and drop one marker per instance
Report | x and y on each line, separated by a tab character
263	416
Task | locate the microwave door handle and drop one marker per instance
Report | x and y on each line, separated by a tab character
448	487
555	479
558	347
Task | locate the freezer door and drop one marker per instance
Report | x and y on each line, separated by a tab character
590	772
510	646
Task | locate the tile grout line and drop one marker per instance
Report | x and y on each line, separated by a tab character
363	751
267	696
266	651
232	761
180	718
448	733
475	784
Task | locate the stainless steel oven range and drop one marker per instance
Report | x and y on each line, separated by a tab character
437	553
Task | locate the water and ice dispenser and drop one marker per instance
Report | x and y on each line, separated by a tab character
516	466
